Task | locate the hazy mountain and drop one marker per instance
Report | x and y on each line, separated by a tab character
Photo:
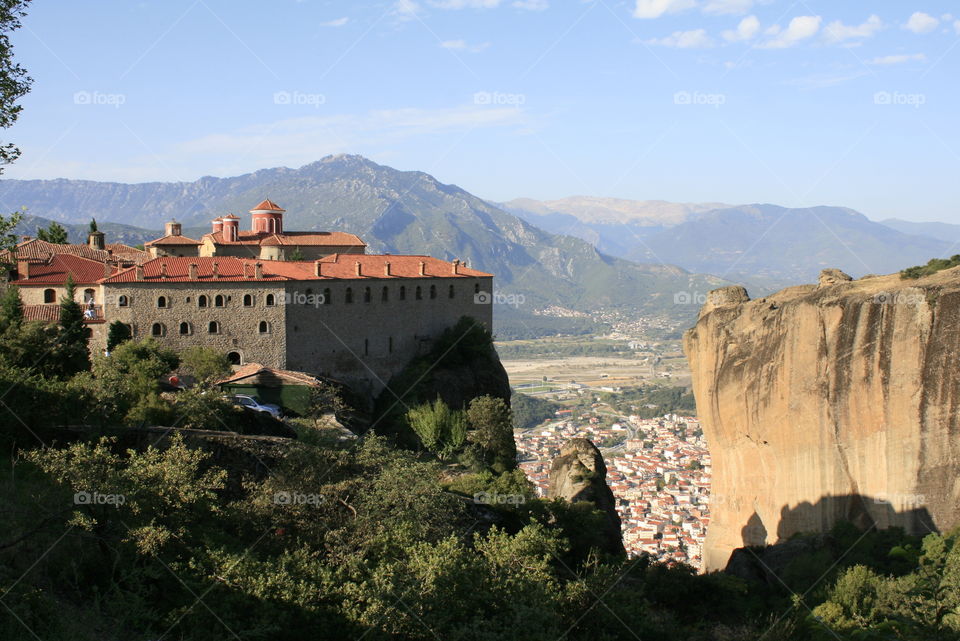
612	225
77	232
940	231
764	246
393	211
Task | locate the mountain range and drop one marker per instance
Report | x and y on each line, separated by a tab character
394	212
763	246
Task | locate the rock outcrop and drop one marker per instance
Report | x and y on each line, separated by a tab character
579	474
826	402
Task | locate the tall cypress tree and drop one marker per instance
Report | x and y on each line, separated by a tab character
11	308
72	353
117	333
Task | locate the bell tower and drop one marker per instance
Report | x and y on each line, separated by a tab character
267	217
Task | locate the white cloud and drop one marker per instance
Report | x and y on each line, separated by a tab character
464	4
836	31
921	22
656	8
461	45
746	30
532	5
897	59
406	9
695	39
339	22
956	27
728	6
800	28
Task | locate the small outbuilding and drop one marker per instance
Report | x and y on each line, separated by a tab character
289	389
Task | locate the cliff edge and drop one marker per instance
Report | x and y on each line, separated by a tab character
827	402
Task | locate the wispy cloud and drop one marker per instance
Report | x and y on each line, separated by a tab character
921	22
897	59
746	30
737	7
531	5
462	45
799	29
339	22
694	39
464	4
657	8
836	32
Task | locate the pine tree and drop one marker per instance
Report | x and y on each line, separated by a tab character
117	334
55	233
72	354
93	225
11	308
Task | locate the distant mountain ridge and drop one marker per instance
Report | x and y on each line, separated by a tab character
394	212
762	245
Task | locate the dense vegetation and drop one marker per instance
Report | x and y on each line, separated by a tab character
585	346
932	267
530	411
650	401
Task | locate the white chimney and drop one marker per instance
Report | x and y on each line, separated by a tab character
456	266
422	266
258	270
386	268
359	272
319	268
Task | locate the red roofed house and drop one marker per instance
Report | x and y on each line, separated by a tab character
265	240
341	313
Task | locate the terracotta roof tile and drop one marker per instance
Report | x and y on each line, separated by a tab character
51	314
305	238
54	271
172	240
268	205
333	267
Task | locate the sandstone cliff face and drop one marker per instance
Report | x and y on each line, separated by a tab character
827	402
579	474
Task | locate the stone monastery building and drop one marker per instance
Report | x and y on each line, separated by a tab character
334	311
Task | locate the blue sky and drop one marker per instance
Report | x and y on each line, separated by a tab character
794	103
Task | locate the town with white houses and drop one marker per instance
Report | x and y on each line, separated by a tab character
659	473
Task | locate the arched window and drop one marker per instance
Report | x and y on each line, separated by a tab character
87	333
348	295
158	329
264	327
213	327
385	294
418	294
218	301
184	328
49	295
248	300
476	288
89	296
271	300
202	301
367	296
162	302
234	358
327	297
123	301
451	293
403	292
130	330
390	345
366	347
433	292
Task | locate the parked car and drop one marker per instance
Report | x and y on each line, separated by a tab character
251	403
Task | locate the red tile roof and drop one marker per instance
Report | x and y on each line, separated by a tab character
173	240
305	238
54	271
41	249
268	205
51	313
127	253
335	266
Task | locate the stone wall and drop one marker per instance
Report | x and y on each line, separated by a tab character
239	325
